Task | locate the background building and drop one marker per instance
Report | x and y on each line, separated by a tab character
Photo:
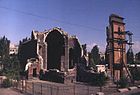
13	49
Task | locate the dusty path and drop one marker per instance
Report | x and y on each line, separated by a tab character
9	91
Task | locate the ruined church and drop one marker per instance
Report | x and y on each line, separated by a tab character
50	50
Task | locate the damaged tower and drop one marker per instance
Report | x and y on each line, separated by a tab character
116	46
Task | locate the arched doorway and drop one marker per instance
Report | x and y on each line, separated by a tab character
74	54
55	49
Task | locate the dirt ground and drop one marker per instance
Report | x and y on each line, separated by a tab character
111	90
10	91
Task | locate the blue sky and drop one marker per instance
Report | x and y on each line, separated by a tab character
87	19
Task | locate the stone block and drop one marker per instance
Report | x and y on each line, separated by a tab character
132	88
138	86
123	90
99	93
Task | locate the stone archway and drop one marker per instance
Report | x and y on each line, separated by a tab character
74	54
55	49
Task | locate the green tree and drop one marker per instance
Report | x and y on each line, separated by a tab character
106	57
9	64
95	55
4	47
91	61
11	67
130	56
137	58
4	51
135	71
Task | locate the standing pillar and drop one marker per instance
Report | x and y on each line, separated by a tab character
66	54
45	54
62	63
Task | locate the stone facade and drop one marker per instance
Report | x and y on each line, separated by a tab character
57	49
33	68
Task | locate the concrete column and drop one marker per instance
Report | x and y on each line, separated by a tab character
66	53
37	68
62	63
30	72
37	47
45	59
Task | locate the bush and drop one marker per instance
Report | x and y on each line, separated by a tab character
6	83
51	76
123	82
135	71
99	79
54	77
96	79
41	75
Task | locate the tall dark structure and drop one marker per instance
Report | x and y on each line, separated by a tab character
116	45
